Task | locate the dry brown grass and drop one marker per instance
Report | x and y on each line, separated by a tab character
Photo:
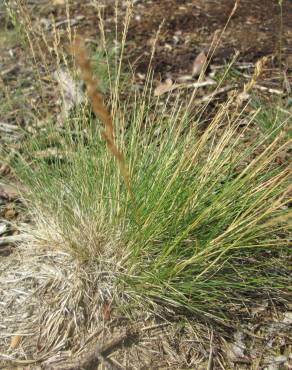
55	312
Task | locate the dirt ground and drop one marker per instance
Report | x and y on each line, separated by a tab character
257	28
187	27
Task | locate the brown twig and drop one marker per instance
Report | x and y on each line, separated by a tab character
91	359
215	93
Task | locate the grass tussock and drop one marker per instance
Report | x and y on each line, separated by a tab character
205	227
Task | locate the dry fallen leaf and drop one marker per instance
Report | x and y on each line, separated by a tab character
3	228
5	169
107	311
164	87
236	351
15	341
259	308
199	64
287	318
242	98
58	2
169	86
8	192
9	212
71	91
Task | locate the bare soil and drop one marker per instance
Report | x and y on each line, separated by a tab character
257	28
189	26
